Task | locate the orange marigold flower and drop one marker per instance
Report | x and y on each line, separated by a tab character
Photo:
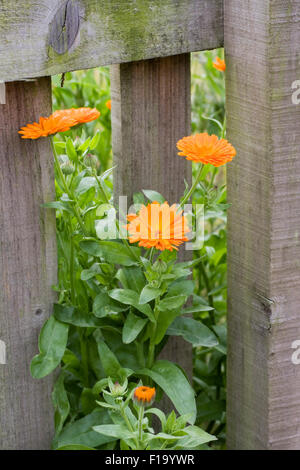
81	115
144	395
159	226
47	126
108	104
207	149
219	64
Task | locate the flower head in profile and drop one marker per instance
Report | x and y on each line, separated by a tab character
81	115
207	149
219	64
159	226
59	121
47	126
108	104
144	396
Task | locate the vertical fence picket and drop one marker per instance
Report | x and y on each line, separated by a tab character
261	45
150	112
27	265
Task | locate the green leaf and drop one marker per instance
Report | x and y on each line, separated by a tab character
193	331
211	410
111	252
95	141
131	278
61	403
119	431
130	297
149	293
103	305
81	431
52	344
86	184
83	147
109	361
153	196
58	205
196	436
175	384
72	316
132	327
181	287
72	154
165	319
171	303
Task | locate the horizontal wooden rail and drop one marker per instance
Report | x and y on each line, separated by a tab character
39	38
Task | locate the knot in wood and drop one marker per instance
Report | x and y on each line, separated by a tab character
64	27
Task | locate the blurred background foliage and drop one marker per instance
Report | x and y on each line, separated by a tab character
92	88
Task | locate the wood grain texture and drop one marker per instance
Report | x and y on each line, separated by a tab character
27	266
261	45
150	113
110	32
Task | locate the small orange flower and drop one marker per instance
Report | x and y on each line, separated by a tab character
159	226
108	104
47	126
144	395
207	149
81	115
219	64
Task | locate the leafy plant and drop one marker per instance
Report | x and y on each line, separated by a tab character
118	303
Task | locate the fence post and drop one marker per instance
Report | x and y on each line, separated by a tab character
27	265
150	112
262	54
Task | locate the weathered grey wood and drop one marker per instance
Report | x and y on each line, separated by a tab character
110	32
262	54
150	113
27	266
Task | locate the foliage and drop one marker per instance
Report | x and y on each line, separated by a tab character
117	304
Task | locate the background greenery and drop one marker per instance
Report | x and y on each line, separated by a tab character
92	88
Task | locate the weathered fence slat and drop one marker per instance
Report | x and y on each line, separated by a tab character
152	96
261	44
109	32
27	266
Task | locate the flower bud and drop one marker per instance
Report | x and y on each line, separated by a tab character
67	168
160	266
91	161
144	396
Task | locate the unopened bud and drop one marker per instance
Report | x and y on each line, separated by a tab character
67	168
91	161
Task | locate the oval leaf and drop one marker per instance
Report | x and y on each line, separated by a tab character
52	344
193	331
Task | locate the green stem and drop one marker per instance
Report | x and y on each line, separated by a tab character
193	187
128	424
72	271
140	425
67	190
151	254
208	288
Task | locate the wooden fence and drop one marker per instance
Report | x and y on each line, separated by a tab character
149	41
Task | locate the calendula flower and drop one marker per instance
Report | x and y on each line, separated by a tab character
159	226
47	126
144	396
207	149
59	121
219	64
108	104
81	115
